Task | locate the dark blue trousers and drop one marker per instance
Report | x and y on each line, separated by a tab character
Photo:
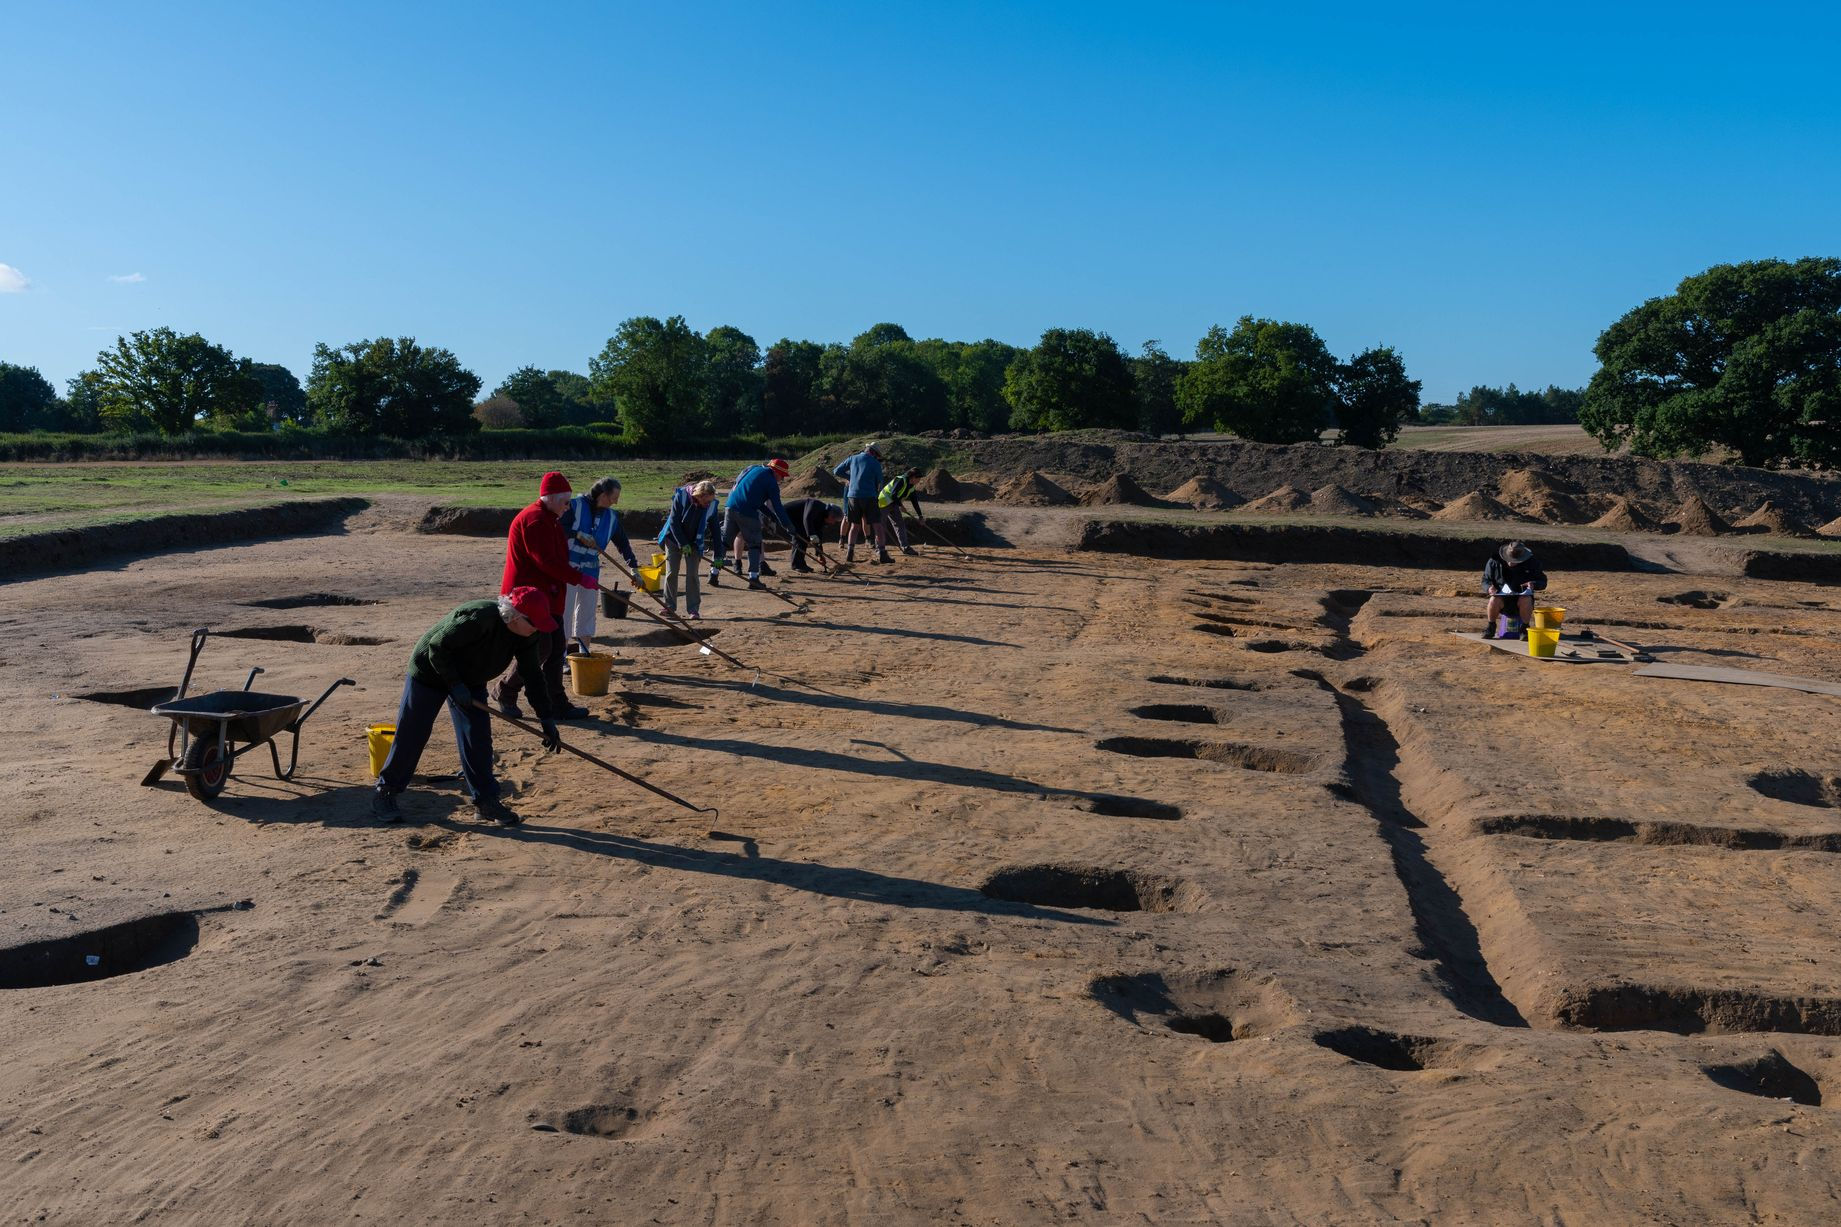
415	720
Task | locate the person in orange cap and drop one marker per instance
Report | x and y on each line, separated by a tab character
756	489
537	556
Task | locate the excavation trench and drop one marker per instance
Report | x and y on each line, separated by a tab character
100	954
301	634
1770	1076
1383	1049
1229	753
1657	834
310	600
1079	886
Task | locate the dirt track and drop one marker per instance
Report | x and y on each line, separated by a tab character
1386	892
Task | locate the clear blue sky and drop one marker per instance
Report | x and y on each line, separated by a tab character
1483	191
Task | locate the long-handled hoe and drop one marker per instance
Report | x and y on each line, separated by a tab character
600	762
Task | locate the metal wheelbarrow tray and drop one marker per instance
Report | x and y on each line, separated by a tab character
206	729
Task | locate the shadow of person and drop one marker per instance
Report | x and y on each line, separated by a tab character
876	707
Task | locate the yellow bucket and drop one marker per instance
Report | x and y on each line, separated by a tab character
1549	617
1543	640
588	673
652	578
380	737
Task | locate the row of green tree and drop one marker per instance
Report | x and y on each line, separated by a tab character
1510	406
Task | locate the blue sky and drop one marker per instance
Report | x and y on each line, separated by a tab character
1483	192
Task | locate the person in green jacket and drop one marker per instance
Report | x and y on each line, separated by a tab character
450	667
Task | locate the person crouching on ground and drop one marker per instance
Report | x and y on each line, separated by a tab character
862	474
755	491
450	667
1512	575
537	556
889	500
814	515
592	524
682	540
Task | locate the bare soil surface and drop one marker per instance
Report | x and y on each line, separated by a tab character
1048	886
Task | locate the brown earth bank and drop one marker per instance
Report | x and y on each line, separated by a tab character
1330	543
65	549
1253	470
1047	886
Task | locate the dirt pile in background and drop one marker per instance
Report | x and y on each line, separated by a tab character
1478	506
1333	500
1697	519
1034	490
941	485
1204	494
1119	488
1830	529
1523	488
1283	501
816	482
1771	519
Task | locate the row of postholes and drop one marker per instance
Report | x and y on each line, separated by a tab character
1217	1007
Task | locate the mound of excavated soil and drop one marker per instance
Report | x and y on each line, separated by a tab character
1334	500
1477	506
818	483
1624	516
1830	529
1558	508
1771	519
1119	488
941	485
1522	488
1697	519
1281	501
1204	493
1034	490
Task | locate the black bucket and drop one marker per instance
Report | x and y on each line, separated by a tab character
613	603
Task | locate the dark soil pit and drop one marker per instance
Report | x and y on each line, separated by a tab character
1111	805
300	634
1215	1028
600	1120
144	698
1078	886
1770	1076
100	954
1697	599
1230	753
311	600
1226	632
1695	1011
1799	787
665	638
1383	1049
1181	713
1218	1006
1361	685
1212	683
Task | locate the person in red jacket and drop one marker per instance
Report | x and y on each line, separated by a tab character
537	556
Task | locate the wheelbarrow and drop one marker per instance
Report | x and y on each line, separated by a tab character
203	742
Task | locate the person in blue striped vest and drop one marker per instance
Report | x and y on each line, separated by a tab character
591	524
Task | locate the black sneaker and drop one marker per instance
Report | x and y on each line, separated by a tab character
568	711
766	570
755	584
507	707
715	581
383	806
907	549
491	809
802	567
882	557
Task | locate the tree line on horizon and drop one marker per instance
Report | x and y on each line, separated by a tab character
1743	359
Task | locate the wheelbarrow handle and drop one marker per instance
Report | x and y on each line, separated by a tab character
198	645
302	718
251	679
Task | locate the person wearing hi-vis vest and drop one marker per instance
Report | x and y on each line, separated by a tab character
889	499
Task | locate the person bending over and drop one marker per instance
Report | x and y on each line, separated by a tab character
1512	575
450	667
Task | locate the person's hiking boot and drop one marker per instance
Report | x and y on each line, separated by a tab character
491	809
754	584
850	555
383	806
1489	630
907	549
800	566
505	705
566	710
883	557
766	570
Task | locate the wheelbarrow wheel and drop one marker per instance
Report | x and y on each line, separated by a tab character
206	771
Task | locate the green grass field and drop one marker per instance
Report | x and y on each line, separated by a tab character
40	497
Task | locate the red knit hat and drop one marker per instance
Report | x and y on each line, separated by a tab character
554	483
535	607
780	467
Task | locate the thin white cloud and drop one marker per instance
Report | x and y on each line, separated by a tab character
128	279
12	281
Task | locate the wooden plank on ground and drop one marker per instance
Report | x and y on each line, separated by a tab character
1739	677
1573	649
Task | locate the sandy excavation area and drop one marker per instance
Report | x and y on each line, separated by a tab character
1049	887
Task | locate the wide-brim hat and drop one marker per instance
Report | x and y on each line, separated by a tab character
1516	552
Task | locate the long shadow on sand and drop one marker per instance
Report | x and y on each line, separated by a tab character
874	707
893	631
934	598
345	806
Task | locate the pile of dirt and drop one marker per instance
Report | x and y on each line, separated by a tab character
1624	516
1830	529
1523	488
1203	493
1557	508
1697	519
1034	490
1774	521
1477	506
1334	500
1119	488
817	483
1282	501
941	485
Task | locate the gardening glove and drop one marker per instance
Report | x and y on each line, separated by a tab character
462	694
552	739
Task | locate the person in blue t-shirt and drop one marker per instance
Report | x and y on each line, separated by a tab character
757	489
862	474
